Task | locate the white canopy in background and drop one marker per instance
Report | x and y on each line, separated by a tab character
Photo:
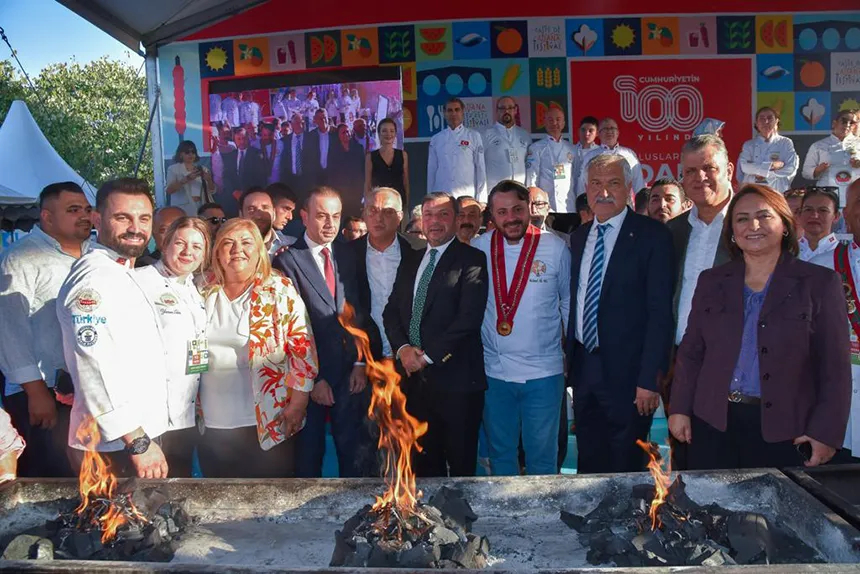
28	162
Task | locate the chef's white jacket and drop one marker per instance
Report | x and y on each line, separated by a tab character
114	350
550	166
505	151
838	154
756	157
456	163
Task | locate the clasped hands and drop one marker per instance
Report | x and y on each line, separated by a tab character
412	359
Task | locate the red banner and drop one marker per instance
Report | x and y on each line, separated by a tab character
658	104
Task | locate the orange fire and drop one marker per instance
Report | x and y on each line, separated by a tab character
662	479
398	430
97	485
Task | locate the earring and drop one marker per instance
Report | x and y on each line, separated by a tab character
785	233
733	239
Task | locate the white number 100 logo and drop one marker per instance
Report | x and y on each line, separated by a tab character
657	107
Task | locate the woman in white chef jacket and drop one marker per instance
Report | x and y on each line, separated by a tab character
835	160
169	286
768	158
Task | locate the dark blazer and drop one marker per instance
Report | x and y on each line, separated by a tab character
311	175
634	323
452	317
681	230
346	174
253	170
408	256
335	346
804	355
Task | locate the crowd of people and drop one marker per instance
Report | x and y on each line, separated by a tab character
732	304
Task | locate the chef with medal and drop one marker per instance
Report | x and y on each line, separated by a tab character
845	260
527	312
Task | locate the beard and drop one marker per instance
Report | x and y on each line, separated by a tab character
514	230
129	251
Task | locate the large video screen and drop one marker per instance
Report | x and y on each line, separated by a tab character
304	130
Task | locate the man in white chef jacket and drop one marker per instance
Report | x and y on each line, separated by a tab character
609	133
845	260
550	166
835	160
505	146
456	157
112	339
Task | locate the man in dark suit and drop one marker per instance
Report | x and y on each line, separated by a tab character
324	273
433	322
379	254
620	329
243	168
707	182
300	160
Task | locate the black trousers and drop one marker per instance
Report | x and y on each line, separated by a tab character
740	446
45	453
606	431
844	456
453	419
178	447
236	453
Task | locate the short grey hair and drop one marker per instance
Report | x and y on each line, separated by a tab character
416	212
371	196
434	195
700	142
604	160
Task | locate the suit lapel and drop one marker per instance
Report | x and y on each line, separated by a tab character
339	290
306	264
623	244
440	272
782	283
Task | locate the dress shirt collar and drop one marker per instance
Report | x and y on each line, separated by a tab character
615	221
394	248
456	130
48	240
316	248
695	222
440	249
772	139
553	140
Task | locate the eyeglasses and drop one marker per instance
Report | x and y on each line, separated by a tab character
506	108
847	122
540	204
216	220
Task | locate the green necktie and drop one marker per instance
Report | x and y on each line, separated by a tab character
420	298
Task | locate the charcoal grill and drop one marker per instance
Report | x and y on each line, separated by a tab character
289	525
838	487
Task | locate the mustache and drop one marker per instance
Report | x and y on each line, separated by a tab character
140	236
604	200
467	226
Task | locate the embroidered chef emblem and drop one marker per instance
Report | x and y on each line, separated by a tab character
464	143
87	336
843	177
168	300
569	157
88	300
538	268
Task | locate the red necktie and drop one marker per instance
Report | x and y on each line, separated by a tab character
329	271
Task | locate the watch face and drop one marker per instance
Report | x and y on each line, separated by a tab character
139	445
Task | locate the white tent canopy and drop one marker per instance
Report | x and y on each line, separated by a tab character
28	162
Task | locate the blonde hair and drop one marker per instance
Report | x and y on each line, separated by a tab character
264	266
198	225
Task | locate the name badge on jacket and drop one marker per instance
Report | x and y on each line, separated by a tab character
197	357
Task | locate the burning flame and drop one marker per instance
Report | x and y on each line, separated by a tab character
662	479
398	430
97	486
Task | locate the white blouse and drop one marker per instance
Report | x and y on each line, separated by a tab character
226	394
189	196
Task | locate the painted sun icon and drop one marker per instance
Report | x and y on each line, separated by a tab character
216	59
623	36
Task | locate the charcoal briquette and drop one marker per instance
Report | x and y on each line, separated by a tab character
420	556
19	547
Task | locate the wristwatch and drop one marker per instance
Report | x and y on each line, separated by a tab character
139	445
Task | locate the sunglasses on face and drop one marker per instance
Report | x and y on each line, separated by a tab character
216	220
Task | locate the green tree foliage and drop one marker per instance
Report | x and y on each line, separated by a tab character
94	115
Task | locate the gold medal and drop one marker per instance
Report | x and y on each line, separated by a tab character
504	328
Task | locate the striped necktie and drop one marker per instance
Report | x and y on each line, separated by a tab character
420	298
592	291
